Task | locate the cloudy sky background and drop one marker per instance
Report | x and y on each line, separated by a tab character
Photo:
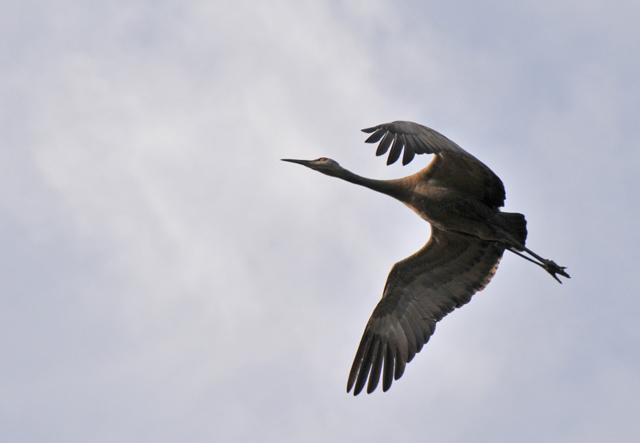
164	277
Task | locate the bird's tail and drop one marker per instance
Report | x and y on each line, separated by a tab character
516	226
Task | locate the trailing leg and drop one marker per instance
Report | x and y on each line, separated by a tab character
548	265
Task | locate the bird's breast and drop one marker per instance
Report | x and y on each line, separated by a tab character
431	202
450	210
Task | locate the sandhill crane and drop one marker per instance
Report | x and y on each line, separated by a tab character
460	197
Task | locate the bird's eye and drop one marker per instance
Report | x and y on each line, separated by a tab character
322	159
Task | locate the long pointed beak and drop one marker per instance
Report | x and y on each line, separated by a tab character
300	162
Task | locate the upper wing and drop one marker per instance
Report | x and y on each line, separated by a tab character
420	290
453	166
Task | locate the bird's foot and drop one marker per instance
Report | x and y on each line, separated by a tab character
553	268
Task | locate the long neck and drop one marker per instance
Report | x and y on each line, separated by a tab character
394	188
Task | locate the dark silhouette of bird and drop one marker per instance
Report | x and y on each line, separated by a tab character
460	197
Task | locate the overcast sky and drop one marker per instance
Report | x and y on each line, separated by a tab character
164	277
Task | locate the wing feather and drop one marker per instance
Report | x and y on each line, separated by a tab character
383	147
456	168
420	290
376	366
387	372
376	136
396	150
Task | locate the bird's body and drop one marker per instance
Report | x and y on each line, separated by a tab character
460	197
450	209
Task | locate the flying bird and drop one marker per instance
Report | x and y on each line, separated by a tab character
460	197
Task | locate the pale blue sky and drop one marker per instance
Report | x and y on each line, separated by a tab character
164	277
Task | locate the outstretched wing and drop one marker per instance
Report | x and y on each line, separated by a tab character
453	166
420	290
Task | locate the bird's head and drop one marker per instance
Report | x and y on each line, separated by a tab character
323	164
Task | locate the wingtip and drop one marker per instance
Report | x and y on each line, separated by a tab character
355	391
